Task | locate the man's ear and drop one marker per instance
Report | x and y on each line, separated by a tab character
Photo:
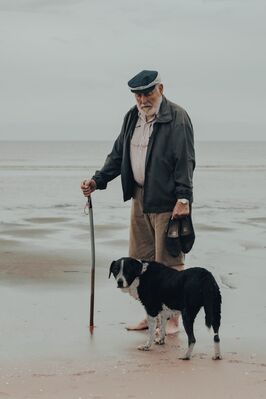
111	268
161	88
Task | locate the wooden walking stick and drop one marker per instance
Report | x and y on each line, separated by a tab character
88	211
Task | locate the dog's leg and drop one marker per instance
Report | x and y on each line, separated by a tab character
217	351
152	322
163	321
188	321
216	326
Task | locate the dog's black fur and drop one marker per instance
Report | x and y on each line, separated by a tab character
164	291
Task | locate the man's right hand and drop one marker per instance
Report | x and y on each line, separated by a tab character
88	186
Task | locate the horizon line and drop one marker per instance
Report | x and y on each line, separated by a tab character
112	140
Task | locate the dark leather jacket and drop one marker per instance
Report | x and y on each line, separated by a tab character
170	159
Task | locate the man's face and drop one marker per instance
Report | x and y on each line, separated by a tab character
148	103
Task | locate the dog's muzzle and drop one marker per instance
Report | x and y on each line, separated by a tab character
120	283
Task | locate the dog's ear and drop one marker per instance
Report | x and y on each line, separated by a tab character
111	268
138	265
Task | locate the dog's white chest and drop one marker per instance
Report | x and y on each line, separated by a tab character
133	289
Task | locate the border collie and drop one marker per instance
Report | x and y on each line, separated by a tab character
164	292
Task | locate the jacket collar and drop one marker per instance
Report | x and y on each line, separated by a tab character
165	114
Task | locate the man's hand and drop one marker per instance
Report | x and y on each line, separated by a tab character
180	210
88	186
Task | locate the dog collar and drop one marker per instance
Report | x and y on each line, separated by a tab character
144	267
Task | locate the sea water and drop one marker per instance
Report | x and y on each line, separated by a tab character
40	189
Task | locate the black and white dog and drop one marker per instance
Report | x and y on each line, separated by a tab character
164	292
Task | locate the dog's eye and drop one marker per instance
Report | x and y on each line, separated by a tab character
116	269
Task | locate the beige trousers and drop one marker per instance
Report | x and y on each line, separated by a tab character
147	234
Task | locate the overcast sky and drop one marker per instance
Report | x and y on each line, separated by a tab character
65	65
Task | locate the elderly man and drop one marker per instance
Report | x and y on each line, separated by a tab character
154	154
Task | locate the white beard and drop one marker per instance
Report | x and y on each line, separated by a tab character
149	112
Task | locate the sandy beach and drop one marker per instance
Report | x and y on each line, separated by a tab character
46	348
48	352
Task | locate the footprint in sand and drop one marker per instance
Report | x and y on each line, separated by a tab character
226	281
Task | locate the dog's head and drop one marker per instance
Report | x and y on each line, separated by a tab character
125	271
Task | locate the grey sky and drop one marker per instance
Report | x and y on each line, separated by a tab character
65	64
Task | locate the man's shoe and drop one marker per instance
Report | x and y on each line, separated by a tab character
172	237
187	234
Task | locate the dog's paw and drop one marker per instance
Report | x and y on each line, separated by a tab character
160	341
217	357
144	347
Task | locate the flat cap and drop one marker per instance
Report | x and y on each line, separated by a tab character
144	81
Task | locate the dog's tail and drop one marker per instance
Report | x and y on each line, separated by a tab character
212	302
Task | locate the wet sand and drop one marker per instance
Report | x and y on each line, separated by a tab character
48	352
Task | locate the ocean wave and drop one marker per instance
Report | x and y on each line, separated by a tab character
34	206
66	205
233	167
47	167
239	207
